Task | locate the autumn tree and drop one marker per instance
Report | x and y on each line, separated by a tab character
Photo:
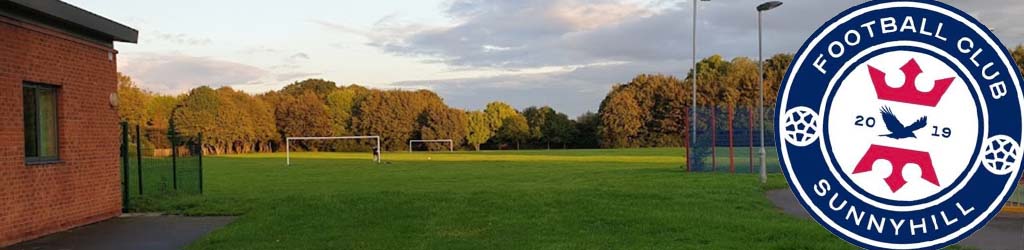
320	87
497	112
132	101
1018	56
620	120
774	71
441	122
514	129
479	129
303	115
392	115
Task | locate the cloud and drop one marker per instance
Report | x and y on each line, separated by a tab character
645	37
284	77
298	56
177	73
176	38
511	34
572	91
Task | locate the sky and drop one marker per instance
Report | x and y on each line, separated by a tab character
566	54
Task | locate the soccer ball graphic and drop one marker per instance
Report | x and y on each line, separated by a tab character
801	126
1000	155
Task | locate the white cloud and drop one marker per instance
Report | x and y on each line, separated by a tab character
177	73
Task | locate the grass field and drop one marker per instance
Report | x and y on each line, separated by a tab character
575	199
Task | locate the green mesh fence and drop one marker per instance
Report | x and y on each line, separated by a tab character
158	162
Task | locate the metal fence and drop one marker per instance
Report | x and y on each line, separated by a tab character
728	140
157	162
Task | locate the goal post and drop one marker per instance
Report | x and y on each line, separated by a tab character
288	144
451	144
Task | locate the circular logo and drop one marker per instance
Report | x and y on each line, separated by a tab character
899	125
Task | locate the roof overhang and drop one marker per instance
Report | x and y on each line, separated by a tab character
67	17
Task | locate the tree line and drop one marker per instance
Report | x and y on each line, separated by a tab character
651	110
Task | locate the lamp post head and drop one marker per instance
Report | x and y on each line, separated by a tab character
769	5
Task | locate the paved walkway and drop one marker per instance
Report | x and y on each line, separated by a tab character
131	232
1003	232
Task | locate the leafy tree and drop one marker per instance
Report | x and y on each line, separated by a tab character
264	125
132	101
479	129
547	126
320	87
774	71
341	104
558	129
393	115
441	122
587	127
304	115
1018	56
536	118
620	120
159	108
497	112
514	129
744	78
197	113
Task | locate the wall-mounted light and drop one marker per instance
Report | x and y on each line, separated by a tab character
113	100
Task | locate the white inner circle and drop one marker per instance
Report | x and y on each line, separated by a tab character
856	107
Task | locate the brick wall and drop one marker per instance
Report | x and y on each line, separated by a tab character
36	200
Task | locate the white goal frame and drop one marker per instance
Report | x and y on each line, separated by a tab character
288	144
451	144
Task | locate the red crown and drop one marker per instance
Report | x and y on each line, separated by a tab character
908	92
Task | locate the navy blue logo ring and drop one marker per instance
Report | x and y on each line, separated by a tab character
899	125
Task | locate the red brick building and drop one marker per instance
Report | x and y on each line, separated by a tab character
59	133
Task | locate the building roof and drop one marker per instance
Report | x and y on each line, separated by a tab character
67	17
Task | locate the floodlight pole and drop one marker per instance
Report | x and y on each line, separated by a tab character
760	68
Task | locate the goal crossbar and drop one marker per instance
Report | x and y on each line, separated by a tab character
451	144
288	144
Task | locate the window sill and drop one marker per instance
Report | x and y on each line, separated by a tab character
43	162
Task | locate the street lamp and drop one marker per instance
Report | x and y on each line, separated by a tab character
693	107
760	68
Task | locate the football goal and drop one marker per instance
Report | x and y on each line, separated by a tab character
288	144
451	144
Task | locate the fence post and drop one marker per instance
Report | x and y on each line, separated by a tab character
124	166
750	132
732	151
174	160
687	138
714	136
200	162
138	153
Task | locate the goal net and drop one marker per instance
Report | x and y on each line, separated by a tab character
451	144
376	149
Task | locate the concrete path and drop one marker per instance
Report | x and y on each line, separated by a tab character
130	232
1003	232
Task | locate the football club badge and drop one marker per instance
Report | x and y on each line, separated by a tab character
899	125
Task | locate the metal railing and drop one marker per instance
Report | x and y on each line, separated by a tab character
157	162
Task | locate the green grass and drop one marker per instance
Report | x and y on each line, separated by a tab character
576	199
158	176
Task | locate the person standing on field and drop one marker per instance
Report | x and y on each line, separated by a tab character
376	154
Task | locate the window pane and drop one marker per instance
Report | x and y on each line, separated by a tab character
47	122
29	109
